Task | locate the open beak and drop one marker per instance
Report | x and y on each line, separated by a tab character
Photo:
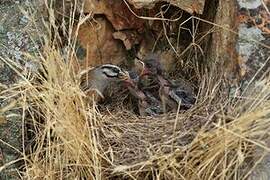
140	66
124	75
145	72
143	69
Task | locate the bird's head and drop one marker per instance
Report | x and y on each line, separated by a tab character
101	76
109	72
152	65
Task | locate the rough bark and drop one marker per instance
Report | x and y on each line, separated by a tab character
191	6
224	37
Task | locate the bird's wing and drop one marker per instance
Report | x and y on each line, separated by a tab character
172	94
186	96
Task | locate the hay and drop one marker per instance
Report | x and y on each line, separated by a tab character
215	139
73	139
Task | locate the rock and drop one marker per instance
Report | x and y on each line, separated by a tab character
96	40
117	13
223	49
191	6
129	38
14	41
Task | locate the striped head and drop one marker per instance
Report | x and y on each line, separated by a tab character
101	76
109	72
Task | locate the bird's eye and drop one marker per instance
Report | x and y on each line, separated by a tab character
148	65
111	73
116	70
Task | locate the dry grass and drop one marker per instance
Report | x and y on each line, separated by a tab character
71	139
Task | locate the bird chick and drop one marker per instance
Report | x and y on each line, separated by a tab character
94	82
145	80
153	65
147	104
173	95
170	94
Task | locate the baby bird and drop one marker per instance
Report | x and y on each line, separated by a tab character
152	68
152	65
94	82
174	95
147	104
171	94
145	81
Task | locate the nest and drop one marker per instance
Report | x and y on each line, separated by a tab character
71	138
75	139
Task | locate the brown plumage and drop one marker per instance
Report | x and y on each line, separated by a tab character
171	94
95	81
148	105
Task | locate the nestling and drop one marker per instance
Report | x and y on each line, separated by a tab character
148	77
174	95
94	82
171	94
148	105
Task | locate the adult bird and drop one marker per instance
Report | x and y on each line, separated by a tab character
95	81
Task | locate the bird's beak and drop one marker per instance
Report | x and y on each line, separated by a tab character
124	75
140	66
145	72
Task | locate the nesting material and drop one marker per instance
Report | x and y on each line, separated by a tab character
214	138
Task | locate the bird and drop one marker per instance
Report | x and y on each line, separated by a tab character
145	81
152	65
96	80
174	95
148	105
171	94
151	68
